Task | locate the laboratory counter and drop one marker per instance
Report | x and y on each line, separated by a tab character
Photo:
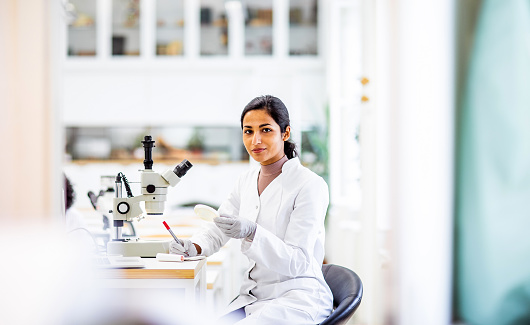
189	277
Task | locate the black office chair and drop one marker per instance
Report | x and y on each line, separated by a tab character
347	290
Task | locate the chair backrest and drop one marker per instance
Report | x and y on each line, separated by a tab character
347	290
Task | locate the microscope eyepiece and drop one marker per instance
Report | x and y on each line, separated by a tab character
148	147
182	168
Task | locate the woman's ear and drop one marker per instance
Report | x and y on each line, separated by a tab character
287	133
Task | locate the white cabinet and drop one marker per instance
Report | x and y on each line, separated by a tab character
144	28
182	62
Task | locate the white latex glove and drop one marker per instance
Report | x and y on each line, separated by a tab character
187	250
236	227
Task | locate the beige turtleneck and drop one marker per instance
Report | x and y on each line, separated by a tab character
269	172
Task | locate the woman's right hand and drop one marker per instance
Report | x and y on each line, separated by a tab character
188	249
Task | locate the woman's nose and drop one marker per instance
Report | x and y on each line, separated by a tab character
256	139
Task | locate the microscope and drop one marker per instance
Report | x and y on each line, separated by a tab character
154	190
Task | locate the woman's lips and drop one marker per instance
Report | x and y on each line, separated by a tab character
258	150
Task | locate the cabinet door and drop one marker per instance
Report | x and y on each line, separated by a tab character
170	27
258	27
81	32
214	28
126	27
303	27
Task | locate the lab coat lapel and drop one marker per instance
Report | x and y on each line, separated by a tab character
250	202
270	199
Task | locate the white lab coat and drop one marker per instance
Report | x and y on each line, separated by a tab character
284	282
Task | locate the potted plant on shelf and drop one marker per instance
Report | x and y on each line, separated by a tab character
196	141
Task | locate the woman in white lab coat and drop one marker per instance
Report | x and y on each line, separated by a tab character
277	210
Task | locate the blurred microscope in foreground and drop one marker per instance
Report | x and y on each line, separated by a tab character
154	188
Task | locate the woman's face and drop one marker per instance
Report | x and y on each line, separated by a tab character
262	137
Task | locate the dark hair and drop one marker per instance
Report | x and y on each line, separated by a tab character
69	194
277	110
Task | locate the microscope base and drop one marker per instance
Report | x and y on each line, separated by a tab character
142	248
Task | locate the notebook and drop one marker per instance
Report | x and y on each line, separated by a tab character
116	262
162	257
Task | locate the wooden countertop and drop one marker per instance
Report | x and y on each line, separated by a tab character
155	269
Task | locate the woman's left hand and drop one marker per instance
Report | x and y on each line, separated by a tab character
236	227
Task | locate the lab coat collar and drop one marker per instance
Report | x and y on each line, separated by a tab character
291	163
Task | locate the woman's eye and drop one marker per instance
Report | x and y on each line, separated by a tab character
267	130
247	132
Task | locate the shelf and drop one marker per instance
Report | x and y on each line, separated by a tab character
127	29
82	29
182	64
81	54
170	28
258	26
160	161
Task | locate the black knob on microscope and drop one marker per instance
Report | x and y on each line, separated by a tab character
148	143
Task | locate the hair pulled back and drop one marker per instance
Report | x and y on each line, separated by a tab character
69	193
277	110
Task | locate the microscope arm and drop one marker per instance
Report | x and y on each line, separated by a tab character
127	208
154	189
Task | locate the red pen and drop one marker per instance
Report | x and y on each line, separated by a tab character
172	234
